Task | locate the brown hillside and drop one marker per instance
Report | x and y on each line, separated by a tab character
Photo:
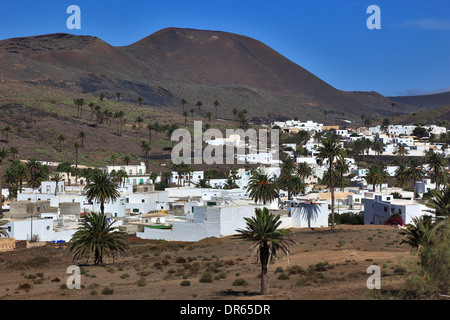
184	63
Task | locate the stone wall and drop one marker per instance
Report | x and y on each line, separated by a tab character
7	244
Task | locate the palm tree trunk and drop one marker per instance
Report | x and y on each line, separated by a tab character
264	256
1	196
332	194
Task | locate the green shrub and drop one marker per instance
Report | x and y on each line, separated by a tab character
240	282
279	270
431	276
349	218
283	276
107	291
142	282
206	278
185	283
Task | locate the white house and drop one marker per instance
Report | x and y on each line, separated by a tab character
204	222
130	169
193	177
147	202
381	207
27	229
305	214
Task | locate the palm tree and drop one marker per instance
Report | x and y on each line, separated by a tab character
13	151
378	146
35	172
199	105
284	181
437	164
342	167
75	171
401	151
416	234
209	115
67	168
61	138
6	130
3	157
288	166
235	112
304	170
57	177
91	105
216	104
79	103
183	103
376	175
122	175
202	183
118	94
401	176
296	185
415	172
266	237
76	145
139	121
82	135
145	147
330	151
150	127
185	115
140	100
97	110
262	187
440	201
153	176
97	236
101	188
15	175
127	159
230	184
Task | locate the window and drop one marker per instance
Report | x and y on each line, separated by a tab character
143	200
385	209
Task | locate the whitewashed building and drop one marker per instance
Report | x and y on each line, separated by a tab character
382	206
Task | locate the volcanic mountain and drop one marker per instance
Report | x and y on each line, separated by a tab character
195	65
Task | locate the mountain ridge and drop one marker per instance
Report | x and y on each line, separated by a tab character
198	65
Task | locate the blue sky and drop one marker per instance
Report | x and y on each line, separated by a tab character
408	55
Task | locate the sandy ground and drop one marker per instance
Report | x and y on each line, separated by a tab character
325	265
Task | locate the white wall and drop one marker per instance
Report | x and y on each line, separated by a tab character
305	215
26	228
212	222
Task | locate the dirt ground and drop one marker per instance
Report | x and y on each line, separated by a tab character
325	265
